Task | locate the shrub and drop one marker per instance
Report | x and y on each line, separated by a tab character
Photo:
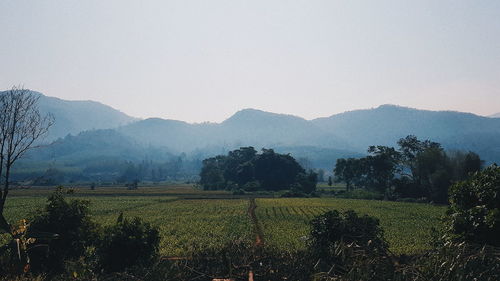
71	221
474	212
344	243
361	194
294	193
128	243
454	261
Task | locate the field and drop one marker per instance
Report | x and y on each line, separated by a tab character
407	226
191	219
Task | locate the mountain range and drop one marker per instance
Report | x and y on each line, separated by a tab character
88	131
73	117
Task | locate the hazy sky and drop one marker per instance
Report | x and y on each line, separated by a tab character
204	60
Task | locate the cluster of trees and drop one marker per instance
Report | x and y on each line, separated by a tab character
111	171
416	169
248	170
178	168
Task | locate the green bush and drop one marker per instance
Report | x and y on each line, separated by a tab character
128	243
347	244
71	221
474	213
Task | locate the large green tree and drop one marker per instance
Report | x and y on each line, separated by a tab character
246	169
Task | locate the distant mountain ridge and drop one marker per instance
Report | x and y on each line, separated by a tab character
343	135
386	123
248	127
73	117
497	115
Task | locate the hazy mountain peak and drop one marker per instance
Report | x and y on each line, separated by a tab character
256	115
497	115
394	107
73	117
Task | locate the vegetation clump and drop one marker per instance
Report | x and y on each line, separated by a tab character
244	169
344	243
474	213
71	221
416	169
128	243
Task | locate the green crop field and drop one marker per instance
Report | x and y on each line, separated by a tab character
191	219
407	226
185	225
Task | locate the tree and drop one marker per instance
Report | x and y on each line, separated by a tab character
350	171
21	125
417	169
306	182
321	175
382	166
245	169
276	171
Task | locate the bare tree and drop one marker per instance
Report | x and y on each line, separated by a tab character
21	125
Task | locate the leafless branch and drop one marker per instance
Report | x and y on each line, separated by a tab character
21	125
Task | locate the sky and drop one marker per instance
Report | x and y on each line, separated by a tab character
204	60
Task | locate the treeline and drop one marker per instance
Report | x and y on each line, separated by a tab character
415	169
112	171
245	169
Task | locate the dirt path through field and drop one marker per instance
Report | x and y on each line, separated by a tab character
259	235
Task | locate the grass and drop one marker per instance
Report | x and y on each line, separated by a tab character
407	226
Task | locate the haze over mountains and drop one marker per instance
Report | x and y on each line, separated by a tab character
73	117
113	135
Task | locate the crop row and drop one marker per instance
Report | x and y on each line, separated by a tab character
408	226
185	225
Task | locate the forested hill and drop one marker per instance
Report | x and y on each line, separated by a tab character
350	131
319	141
247	127
73	117
386	124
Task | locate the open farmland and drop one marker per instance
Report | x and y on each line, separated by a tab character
185	224
407	226
191	219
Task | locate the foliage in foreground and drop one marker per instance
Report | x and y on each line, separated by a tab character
345	244
82	247
474	213
127	243
72	222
